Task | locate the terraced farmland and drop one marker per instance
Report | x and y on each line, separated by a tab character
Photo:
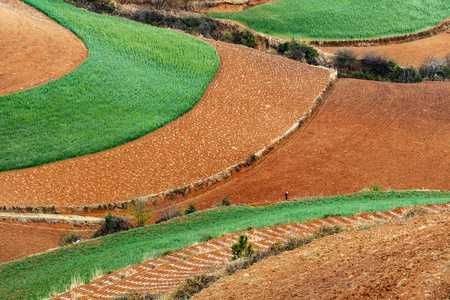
36	276
136	79
161	275
341	20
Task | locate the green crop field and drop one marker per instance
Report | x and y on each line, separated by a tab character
136	79
36	276
344	19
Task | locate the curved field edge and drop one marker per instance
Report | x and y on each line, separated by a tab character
341	20
40	275
136	79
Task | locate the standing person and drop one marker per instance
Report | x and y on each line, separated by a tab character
286	195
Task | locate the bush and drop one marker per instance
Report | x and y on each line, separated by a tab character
192	286
246	38
345	60
432	67
299	51
137	295
411	75
242	248
226	201
191	209
415	211
168	207
69	237
227	36
138	210
112	225
376	186
362	75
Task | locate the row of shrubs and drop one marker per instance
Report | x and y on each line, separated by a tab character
142	213
29	209
373	66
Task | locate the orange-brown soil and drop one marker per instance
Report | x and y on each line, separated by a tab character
161	275
397	134
35	49
20	240
254	98
406	54
407	259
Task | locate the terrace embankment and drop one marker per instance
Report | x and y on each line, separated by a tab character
254	99
406	259
406	54
396	134
35	49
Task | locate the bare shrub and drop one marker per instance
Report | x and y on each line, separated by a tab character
168	208
192	286
295	242
415	211
137	295
432	67
69	237
326	230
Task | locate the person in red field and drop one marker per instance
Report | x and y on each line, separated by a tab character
286	195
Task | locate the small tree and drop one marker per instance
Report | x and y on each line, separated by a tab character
140	212
168	207
242	248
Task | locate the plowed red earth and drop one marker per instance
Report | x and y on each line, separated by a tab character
397	134
161	275
254	98
20	240
407	259
406	54
35	49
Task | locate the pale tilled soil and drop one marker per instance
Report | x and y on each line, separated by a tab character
406	54
254	99
407	259
397	134
35	49
356	252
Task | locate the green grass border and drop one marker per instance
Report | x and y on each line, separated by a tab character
35	277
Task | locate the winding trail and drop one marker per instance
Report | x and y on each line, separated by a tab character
35	49
397	134
254	99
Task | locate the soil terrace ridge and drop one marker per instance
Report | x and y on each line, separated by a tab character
161	275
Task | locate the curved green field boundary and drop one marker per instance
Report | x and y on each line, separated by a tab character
37	276
341	20
136	79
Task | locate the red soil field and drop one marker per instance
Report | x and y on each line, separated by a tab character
397	134
25	239
406	54
35	49
161	275
254	98
406	259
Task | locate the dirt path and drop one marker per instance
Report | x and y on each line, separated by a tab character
254	99
162	275
25	239
397	134
408	259
406	54
35	49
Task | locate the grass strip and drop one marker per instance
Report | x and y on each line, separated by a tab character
341	20
37	276
136	79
